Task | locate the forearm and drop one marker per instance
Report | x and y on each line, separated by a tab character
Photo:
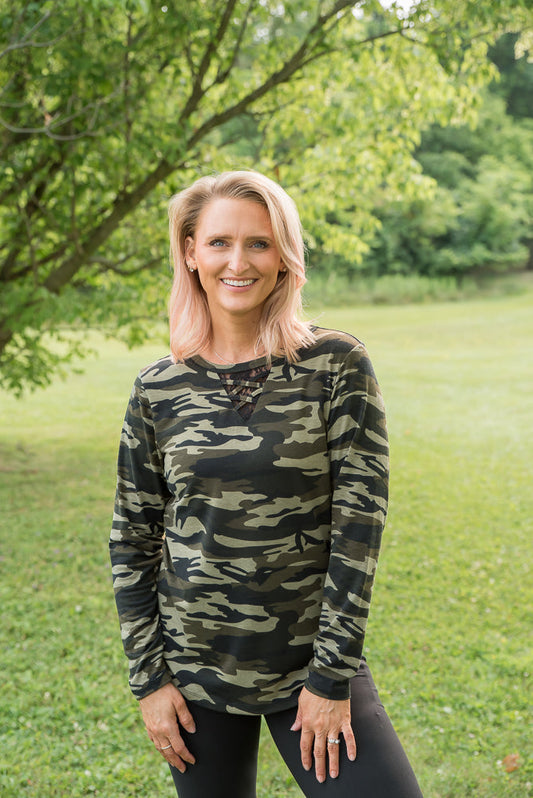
359	465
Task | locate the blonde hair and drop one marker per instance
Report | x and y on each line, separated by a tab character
280	332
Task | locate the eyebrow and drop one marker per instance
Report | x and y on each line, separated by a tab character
248	238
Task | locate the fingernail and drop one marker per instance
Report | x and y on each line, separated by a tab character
351	757
307	767
292	727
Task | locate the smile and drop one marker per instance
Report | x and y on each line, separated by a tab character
237	283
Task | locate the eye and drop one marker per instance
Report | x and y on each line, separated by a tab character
217	242
260	245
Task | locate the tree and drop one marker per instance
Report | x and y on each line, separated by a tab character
478	220
108	106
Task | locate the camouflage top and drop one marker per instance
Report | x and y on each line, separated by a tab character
244	551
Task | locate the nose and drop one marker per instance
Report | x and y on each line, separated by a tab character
237	262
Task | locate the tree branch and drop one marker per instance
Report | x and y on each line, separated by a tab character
33	203
27	42
197	91
96	237
303	56
222	74
113	266
48	128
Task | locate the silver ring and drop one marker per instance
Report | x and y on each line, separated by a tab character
332	741
164	748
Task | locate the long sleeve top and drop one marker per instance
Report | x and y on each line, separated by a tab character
244	552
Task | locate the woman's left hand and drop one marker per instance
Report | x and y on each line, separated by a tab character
322	720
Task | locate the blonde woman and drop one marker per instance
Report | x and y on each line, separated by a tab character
251	498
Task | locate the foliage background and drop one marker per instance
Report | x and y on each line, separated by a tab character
107	107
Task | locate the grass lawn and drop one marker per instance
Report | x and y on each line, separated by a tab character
450	632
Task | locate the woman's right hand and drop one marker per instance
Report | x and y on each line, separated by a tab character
163	712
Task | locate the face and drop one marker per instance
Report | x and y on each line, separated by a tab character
236	256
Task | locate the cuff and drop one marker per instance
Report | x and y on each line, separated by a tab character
155	682
325	687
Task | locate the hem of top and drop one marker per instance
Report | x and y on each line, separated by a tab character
276	705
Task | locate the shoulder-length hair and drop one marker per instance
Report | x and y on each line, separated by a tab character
280	331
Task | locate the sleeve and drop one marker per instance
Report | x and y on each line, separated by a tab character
136	545
358	454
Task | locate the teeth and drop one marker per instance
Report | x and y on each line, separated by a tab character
238	283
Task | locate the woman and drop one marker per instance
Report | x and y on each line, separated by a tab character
251	497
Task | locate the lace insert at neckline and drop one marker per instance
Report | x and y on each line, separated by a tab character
244	388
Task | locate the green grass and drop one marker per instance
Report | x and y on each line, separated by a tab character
450	630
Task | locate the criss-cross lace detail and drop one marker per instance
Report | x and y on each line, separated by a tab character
244	388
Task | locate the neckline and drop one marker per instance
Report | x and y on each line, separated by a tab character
228	368
213	373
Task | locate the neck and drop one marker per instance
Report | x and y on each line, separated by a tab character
235	344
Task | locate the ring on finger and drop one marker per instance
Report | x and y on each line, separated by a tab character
164	747
333	740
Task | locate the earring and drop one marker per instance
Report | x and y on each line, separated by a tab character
190	268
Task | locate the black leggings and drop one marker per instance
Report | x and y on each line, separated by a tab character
225	747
